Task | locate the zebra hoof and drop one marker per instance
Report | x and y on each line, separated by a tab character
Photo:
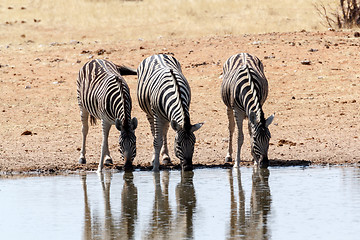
108	161
167	161
228	159
82	160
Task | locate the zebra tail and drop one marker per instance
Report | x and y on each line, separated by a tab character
92	120
124	70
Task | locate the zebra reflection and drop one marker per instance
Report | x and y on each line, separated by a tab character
110	226
129	198
166	223
251	224
160	223
186	206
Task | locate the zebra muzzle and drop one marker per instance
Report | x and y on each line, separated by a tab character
128	165
263	162
186	165
128	162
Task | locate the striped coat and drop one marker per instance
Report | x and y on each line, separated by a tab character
164	95
103	94
244	90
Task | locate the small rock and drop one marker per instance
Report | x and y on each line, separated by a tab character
75	42
55	44
269	57
306	62
313	50
27	132
101	51
356	34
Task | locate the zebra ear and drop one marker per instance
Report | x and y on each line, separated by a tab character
134	123
196	127
175	125
269	120
252	118
118	124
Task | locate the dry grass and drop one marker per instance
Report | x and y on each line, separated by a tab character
111	20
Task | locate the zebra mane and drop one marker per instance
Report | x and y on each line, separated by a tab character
186	119
124	121
257	105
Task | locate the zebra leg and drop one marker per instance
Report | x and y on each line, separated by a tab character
230	114
158	142
164	149
152	125
85	129
239	116
105	153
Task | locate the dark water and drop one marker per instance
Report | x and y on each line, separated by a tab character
281	203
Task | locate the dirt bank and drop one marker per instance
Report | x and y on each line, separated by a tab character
314	92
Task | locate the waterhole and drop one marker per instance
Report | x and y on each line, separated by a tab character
278	203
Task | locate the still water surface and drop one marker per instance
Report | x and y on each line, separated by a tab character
279	203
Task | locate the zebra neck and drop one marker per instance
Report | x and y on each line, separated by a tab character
183	121
252	104
124	106
258	113
181	115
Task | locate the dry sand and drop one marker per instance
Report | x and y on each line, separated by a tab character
316	104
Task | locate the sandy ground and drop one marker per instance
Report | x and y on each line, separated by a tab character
316	104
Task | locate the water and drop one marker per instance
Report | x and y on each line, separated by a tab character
281	203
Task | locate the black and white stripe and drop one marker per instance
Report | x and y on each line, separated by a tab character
103	94
244	90
164	95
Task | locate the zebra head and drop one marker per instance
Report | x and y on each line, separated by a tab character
184	143
127	141
260	137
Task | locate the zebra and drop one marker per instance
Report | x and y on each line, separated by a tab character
164	95
244	90
103	94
